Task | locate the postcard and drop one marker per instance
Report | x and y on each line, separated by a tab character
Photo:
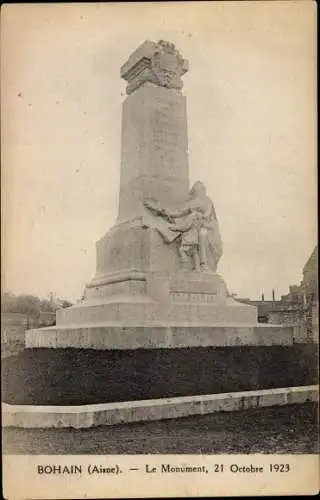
159	282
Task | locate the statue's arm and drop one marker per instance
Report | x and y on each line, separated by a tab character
156	208
179	212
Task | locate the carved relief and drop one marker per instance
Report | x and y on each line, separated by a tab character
195	226
167	65
159	63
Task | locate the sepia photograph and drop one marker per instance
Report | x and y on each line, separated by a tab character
159	248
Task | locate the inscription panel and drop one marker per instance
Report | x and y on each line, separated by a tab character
168	137
154	156
198	298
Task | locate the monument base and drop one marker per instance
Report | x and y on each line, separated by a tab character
117	337
110	375
136	298
150	313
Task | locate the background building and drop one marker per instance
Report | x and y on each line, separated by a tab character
299	306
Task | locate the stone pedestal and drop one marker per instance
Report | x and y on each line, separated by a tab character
153	298
139	278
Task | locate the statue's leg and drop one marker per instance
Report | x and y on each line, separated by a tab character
183	253
196	258
203	233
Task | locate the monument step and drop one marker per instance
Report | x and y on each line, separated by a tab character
196	311
114	336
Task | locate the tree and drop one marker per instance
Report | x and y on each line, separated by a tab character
30	305
8	302
47	306
23	304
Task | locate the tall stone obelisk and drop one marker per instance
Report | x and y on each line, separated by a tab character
154	163
154	154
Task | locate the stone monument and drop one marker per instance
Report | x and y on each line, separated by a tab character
156	320
158	264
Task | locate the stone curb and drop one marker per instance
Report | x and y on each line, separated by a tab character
85	416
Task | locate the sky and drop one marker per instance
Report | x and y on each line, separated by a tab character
251	99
